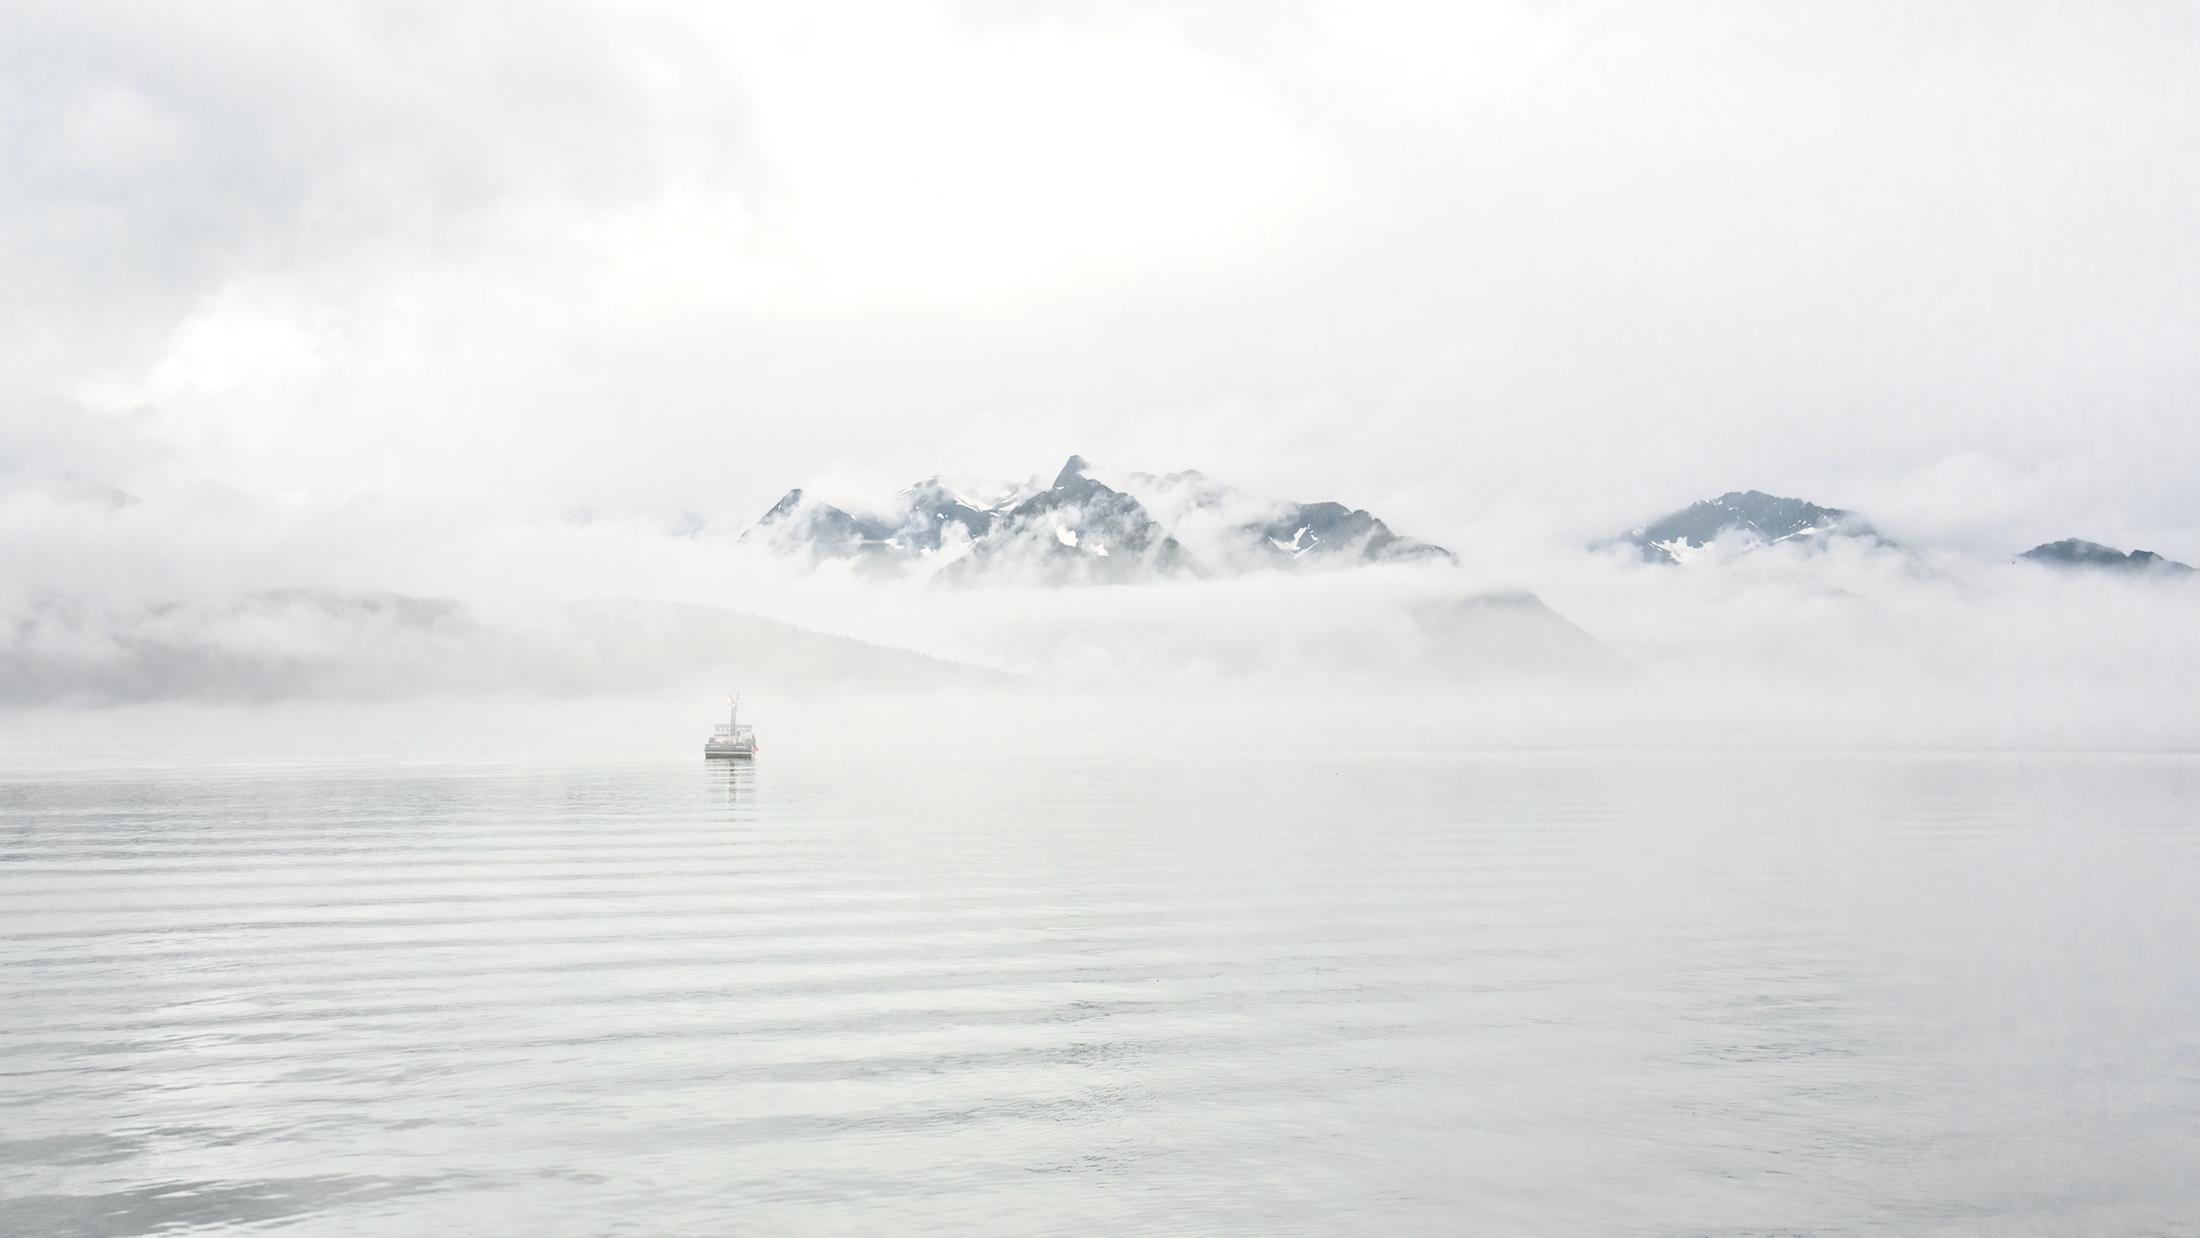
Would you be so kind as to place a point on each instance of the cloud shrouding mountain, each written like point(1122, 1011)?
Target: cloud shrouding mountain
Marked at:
point(1803, 640)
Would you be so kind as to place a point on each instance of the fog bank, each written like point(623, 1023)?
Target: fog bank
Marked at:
point(1851, 644)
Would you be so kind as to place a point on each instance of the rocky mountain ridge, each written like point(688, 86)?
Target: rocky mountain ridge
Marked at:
point(1080, 530)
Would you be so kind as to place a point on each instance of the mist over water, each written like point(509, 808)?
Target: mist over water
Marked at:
point(1301, 991)
point(1544, 646)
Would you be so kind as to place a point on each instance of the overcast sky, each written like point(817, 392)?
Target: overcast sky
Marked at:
point(1566, 265)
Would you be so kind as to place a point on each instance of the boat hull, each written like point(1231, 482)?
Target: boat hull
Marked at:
point(714, 753)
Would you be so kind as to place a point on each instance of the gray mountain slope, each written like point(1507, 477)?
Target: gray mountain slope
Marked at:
point(1240, 532)
point(1750, 515)
point(296, 644)
point(1507, 634)
point(2072, 552)
point(798, 522)
point(1314, 532)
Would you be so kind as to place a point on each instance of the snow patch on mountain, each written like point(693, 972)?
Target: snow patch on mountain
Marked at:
point(1740, 521)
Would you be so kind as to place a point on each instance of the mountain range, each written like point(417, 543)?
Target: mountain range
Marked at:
point(1077, 529)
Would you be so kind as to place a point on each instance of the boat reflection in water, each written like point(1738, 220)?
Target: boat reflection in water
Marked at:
point(732, 783)
point(729, 740)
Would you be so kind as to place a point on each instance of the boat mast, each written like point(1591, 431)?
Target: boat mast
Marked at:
point(733, 719)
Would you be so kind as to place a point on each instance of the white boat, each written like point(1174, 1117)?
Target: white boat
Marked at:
point(729, 740)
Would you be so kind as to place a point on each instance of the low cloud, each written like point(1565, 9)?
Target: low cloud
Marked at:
point(1849, 642)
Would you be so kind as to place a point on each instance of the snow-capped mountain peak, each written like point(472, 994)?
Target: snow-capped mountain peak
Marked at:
point(1745, 517)
point(1080, 528)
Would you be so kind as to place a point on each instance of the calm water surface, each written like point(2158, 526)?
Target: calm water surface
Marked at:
point(1549, 994)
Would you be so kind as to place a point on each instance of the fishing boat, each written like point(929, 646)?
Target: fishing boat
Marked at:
point(729, 740)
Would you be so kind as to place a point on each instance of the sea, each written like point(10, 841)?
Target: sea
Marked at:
point(1168, 993)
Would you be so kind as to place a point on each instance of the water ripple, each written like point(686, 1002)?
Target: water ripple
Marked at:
point(1546, 993)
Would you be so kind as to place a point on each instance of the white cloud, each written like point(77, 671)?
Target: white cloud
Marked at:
point(1497, 272)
